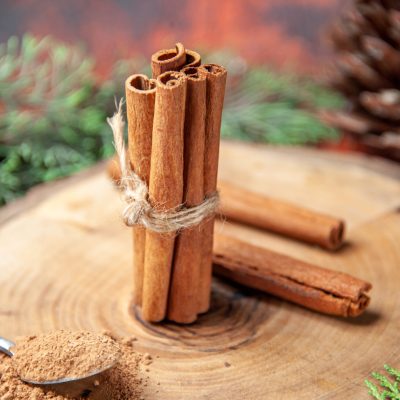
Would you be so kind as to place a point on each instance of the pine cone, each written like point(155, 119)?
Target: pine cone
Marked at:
point(366, 38)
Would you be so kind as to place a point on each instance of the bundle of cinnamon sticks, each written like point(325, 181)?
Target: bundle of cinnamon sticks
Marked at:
point(174, 123)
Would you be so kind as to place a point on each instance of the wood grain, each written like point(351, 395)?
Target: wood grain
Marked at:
point(54, 274)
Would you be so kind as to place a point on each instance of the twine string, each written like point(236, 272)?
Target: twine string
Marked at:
point(138, 210)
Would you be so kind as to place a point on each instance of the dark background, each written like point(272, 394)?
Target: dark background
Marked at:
point(282, 33)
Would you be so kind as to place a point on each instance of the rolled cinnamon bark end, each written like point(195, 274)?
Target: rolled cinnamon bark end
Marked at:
point(216, 81)
point(140, 98)
point(193, 59)
point(278, 216)
point(336, 237)
point(165, 189)
point(168, 60)
point(183, 296)
point(316, 288)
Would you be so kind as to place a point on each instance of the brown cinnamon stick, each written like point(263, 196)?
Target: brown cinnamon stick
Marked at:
point(250, 208)
point(168, 60)
point(173, 60)
point(317, 288)
point(183, 301)
point(193, 59)
point(279, 216)
point(216, 80)
point(165, 189)
point(140, 97)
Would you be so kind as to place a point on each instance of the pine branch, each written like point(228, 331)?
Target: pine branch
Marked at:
point(267, 106)
point(53, 112)
point(390, 387)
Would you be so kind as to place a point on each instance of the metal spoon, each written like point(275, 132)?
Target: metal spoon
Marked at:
point(73, 387)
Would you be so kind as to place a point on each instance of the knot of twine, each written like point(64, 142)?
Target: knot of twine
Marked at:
point(138, 210)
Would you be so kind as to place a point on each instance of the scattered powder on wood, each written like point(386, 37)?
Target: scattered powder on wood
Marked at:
point(122, 382)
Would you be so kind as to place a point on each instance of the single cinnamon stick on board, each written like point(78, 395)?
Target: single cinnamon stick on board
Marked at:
point(250, 208)
point(275, 215)
point(183, 296)
point(140, 98)
point(165, 189)
point(216, 80)
point(317, 288)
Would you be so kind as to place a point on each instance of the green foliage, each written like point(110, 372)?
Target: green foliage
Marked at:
point(53, 109)
point(263, 105)
point(52, 112)
point(390, 387)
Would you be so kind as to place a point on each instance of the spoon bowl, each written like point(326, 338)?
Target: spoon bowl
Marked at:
point(71, 386)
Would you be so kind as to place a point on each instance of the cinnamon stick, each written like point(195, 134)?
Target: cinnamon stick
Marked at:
point(279, 216)
point(173, 60)
point(216, 80)
point(165, 189)
point(140, 97)
point(316, 288)
point(183, 301)
point(250, 208)
point(193, 59)
point(168, 60)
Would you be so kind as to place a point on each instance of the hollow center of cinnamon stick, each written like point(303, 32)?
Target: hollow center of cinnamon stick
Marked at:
point(167, 55)
point(190, 58)
point(213, 69)
point(193, 72)
point(142, 83)
point(337, 234)
point(171, 78)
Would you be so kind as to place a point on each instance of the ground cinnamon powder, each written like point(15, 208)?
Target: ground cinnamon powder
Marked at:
point(63, 354)
point(122, 382)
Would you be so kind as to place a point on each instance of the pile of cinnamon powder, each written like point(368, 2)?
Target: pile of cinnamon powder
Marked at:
point(73, 354)
point(63, 354)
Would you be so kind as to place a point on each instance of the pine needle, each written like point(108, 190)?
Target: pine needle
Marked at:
point(390, 385)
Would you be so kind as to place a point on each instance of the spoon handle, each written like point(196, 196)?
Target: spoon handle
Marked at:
point(5, 346)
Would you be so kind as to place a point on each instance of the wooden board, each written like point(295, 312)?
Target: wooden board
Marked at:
point(66, 263)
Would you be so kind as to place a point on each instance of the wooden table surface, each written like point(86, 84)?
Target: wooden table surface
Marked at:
point(66, 263)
